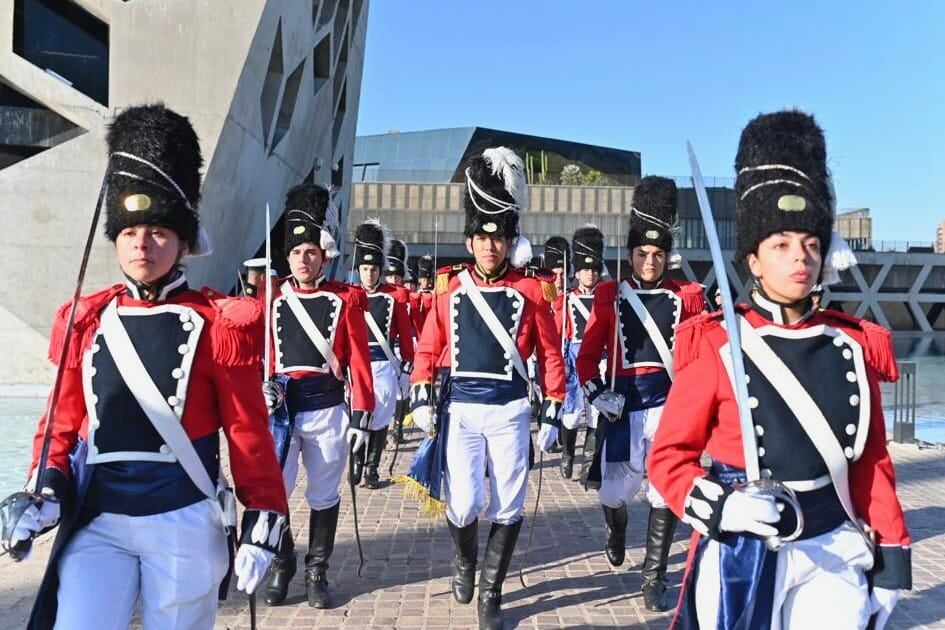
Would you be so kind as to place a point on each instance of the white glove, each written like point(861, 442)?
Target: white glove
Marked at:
point(743, 512)
point(547, 436)
point(610, 404)
point(423, 418)
point(273, 394)
point(357, 437)
point(250, 566)
point(36, 519)
point(882, 602)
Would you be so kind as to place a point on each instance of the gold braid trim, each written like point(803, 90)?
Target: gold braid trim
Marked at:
point(549, 291)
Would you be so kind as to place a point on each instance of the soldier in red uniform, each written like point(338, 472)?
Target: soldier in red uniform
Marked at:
point(813, 381)
point(390, 335)
point(319, 344)
point(256, 282)
point(424, 295)
point(555, 259)
point(154, 371)
point(650, 306)
point(488, 317)
point(587, 262)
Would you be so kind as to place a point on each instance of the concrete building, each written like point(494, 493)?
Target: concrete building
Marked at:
point(856, 227)
point(272, 87)
point(421, 201)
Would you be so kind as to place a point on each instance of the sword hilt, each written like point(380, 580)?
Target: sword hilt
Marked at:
point(781, 494)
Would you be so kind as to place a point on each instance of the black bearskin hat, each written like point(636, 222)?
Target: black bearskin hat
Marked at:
point(310, 217)
point(397, 258)
point(557, 251)
point(653, 216)
point(588, 243)
point(370, 243)
point(154, 174)
point(782, 183)
point(425, 267)
point(496, 192)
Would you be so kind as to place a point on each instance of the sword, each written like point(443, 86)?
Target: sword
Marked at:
point(531, 530)
point(541, 453)
point(12, 508)
point(352, 483)
point(755, 485)
point(240, 283)
point(268, 282)
point(616, 345)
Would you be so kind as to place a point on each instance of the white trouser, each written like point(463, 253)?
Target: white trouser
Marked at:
point(174, 561)
point(319, 436)
point(386, 386)
point(621, 489)
point(584, 415)
point(496, 436)
point(820, 583)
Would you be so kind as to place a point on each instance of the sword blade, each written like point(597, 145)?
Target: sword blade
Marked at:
point(352, 483)
point(749, 447)
point(67, 342)
point(613, 370)
point(268, 285)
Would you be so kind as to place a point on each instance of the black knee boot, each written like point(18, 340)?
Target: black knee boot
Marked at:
point(281, 570)
point(321, 542)
point(659, 538)
point(375, 448)
point(615, 549)
point(466, 548)
point(495, 565)
point(568, 442)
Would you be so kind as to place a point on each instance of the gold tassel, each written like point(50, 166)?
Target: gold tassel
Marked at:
point(549, 291)
point(408, 421)
point(414, 490)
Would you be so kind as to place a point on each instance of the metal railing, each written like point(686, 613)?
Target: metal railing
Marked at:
point(904, 403)
point(916, 247)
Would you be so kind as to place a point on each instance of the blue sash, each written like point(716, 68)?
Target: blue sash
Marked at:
point(424, 479)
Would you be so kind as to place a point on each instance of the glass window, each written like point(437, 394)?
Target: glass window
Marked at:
point(65, 41)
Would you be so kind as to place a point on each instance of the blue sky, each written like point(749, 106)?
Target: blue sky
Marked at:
point(649, 76)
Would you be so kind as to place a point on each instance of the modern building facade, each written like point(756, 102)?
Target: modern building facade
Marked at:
point(271, 86)
point(438, 155)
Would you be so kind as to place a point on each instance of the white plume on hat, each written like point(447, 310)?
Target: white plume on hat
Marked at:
point(509, 167)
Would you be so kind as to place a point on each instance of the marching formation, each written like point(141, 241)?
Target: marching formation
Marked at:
point(758, 425)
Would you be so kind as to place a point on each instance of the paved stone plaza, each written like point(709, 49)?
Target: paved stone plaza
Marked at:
point(406, 577)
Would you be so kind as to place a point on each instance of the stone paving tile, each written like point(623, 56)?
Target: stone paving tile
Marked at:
point(405, 583)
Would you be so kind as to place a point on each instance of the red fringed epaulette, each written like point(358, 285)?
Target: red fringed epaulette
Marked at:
point(877, 344)
point(356, 297)
point(238, 331)
point(689, 337)
point(606, 291)
point(84, 327)
point(402, 294)
point(693, 298)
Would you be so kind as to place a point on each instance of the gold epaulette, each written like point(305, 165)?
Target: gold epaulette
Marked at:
point(443, 277)
point(549, 291)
